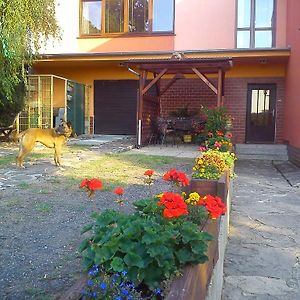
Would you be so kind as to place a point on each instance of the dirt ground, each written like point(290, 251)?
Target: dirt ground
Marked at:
point(42, 211)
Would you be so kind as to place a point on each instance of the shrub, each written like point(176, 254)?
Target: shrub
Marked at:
point(217, 119)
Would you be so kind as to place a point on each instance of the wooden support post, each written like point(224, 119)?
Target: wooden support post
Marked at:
point(140, 107)
point(220, 88)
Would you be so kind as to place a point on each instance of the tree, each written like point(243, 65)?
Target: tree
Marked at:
point(24, 26)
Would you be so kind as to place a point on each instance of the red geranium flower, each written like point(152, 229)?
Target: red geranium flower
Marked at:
point(84, 183)
point(229, 135)
point(210, 134)
point(119, 191)
point(95, 184)
point(179, 178)
point(149, 173)
point(174, 204)
point(91, 185)
point(219, 133)
point(214, 206)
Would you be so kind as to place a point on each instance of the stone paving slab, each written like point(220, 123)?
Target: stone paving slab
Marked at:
point(262, 259)
point(289, 171)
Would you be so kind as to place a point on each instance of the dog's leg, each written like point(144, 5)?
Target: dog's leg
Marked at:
point(57, 155)
point(26, 145)
point(22, 153)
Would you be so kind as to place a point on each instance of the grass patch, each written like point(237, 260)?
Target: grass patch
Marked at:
point(7, 160)
point(13, 202)
point(42, 207)
point(118, 169)
point(37, 294)
point(24, 185)
point(77, 147)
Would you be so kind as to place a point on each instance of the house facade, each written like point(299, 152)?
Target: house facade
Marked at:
point(109, 45)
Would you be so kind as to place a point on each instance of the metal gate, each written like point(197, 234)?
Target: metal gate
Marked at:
point(51, 98)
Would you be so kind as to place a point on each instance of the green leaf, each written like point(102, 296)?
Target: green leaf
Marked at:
point(184, 256)
point(105, 253)
point(149, 237)
point(86, 228)
point(117, 264)
point(83, 245)
point(157, 250)
point(199, 247)
point(154, 276)
point(205, 236)
point(133, 260)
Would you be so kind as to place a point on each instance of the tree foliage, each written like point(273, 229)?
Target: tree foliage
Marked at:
point(24, 26)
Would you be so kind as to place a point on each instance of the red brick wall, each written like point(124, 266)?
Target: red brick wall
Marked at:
point(195, 93)
point(294, 155)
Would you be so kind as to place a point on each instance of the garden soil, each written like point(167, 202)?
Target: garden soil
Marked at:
point(42, 213)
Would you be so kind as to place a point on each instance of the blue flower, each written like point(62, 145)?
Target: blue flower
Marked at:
point(114, 280)
point(130, 285)
point(122, 284)
point(125, 292)
point(102, 285)
point(83, 292)
point(117, 275)
point(90, 282)
point(157, 291)
point(94, 294)
point(118, 298)
point(124, 273)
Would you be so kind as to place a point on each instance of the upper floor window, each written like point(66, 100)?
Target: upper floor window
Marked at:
point(126, 16)
point(255, 23)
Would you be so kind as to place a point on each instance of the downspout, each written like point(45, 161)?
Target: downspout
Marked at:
point(139, 121)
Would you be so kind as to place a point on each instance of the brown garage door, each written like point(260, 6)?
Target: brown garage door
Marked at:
point(115, 106)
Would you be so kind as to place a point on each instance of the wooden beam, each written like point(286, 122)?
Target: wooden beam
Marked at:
point(171, 82)
point(154, 81)
point(205, 80)
point(220, 87)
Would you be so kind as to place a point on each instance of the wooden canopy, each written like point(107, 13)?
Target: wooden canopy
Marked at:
point(176, 67)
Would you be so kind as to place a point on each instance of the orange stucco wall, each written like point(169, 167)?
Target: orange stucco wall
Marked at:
point(59, 92)
point(292, 108)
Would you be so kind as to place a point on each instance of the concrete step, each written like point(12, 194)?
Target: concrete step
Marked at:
point(261, 151)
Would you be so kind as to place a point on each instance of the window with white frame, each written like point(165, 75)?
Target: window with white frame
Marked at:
point(255, 23)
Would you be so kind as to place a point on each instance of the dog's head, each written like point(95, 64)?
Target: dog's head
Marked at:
point(65, 128)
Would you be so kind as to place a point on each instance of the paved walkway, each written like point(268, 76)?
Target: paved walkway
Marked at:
point(183, 150)
point(262, 260)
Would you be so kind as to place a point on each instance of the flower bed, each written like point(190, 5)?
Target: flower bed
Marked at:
point(168, 248)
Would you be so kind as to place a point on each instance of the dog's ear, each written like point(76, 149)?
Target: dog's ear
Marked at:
point(69, 124)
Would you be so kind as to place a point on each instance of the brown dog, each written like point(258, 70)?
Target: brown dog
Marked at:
point(51, 138)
